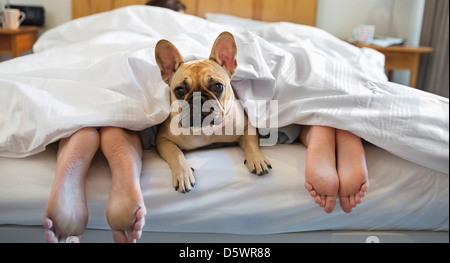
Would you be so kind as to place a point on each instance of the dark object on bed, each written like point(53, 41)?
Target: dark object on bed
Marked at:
point(171, 4)
point(35, 15)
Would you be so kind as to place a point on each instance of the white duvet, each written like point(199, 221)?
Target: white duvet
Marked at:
point(100, 71)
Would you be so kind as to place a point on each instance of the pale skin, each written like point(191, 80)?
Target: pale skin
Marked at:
point(66, 212)
point(335, 167)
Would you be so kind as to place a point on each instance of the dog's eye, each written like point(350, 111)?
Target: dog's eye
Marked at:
point(218, 88)
point(179, 92)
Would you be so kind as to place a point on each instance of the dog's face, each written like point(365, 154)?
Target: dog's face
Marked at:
point(203, 84)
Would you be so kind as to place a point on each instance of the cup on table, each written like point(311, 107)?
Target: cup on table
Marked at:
point(12, 18)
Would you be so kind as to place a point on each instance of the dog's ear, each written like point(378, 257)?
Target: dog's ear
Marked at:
point(224, 52)
point(168, 58)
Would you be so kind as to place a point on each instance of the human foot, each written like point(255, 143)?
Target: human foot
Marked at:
point(321, 179)
point(126, 213)
point(126, 209)
point(66, 213)
point(352, 170)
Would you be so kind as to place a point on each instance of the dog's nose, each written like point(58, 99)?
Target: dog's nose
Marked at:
point(197, 101)
point(206, 113)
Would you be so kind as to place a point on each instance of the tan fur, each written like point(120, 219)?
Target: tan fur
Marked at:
point(198, 76)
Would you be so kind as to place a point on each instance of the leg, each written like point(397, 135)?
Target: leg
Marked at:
point(257, 163)
point(182, 174)
point(321, 179)
point(183, 179)
point(352, 170)
point(126, 209)
point(66, 213)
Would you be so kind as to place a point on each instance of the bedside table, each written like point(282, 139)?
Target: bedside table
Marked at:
point(17, 41)
point(401, 57)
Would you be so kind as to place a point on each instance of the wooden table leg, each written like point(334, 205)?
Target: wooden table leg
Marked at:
point(414, 69)
point(15, 51)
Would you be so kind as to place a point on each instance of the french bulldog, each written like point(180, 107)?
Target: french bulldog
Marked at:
point(206, 108)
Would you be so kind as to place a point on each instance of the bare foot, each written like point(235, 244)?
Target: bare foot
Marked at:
point(126, 209)
point(321, 179)
point(66, 212)
point(126, 214)
point(352, 170)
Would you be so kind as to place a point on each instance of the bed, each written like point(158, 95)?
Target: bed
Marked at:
point(109, 56)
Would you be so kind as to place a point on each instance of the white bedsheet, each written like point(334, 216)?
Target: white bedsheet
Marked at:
point(100, 71)
point(229, 199)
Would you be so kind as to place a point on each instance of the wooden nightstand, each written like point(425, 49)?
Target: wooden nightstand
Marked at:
point(17, 41)
point(401, 57)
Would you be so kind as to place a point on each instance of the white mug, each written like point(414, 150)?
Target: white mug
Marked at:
point(12, 18)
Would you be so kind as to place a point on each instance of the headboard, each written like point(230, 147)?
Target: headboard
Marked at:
point(296, 11)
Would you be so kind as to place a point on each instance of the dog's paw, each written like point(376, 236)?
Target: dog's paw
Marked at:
point(257, 163)
point(183, 180)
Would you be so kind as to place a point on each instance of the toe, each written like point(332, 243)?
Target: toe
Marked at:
point(345, 204)
point(352, 200)
point(318, 199)
point(363, 190)
point(119, 236)
point(50, 236)
point(140, 223)
point(131, 238)
point(309, 186)
point(48, 223)
point(330, 203)
point(136, 234)
point(251, 166)
point(358, 199)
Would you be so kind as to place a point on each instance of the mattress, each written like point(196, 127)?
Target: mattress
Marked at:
point(228, 199)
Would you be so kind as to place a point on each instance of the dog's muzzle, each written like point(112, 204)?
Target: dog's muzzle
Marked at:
point(204, 110)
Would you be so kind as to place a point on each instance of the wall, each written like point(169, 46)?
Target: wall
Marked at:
point(56, 13)
point(396, 18)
